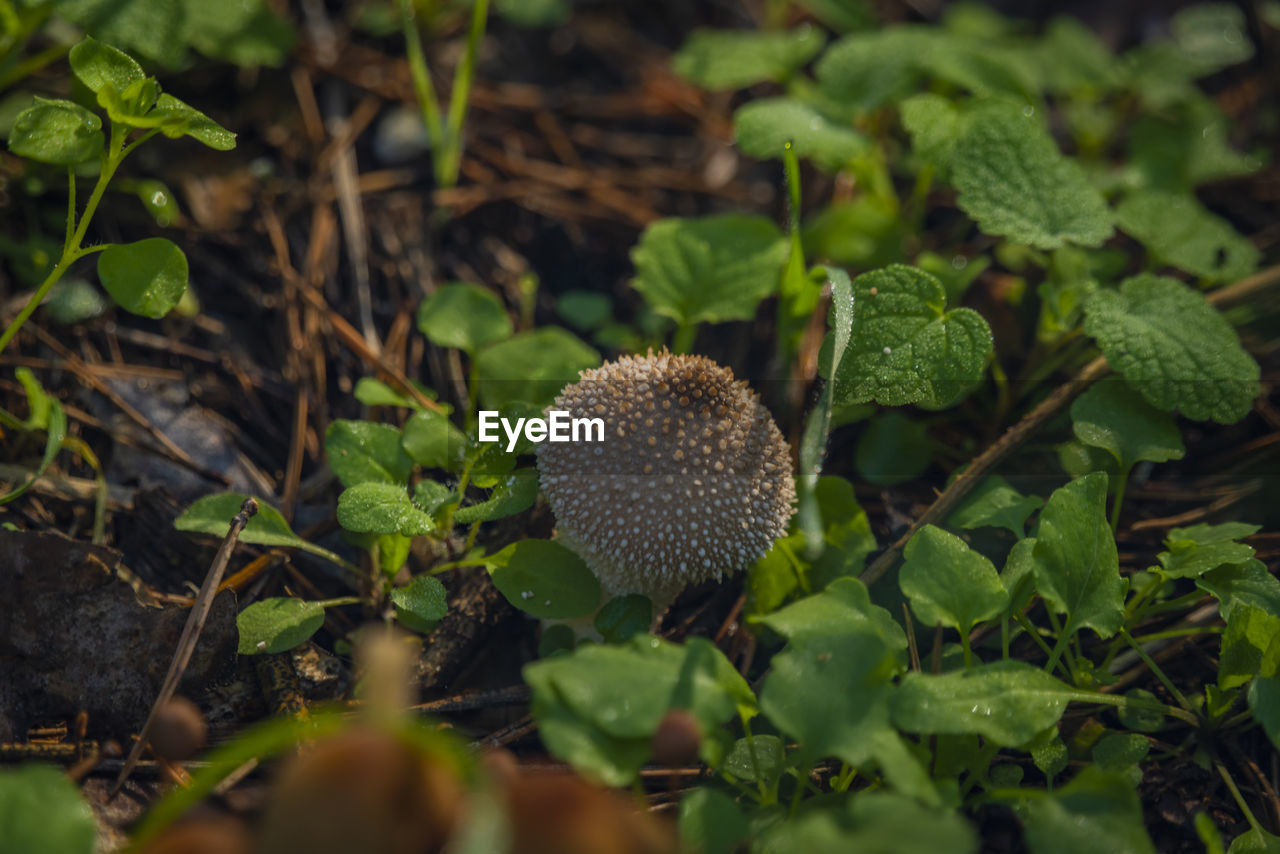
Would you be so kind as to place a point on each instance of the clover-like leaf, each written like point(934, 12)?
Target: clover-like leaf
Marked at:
point(905, 347)
point(41, 809)
point(763, 127)
point(382, 508)
point(1174, 348)
point(277, 624)
point(56, 131)
point(1112, 416)
point(995, 503)
point(1177, 230)
point(709, 269)
point(545, 579)
point(1076, 566)
point(734, 59)
point(949, 583)
point(362, 452)
point(420, 604)
point(98, 64)
point(1200, 548)
point(147, 277)
point(464, 315)
point(513, 495)
point(531, 367)
point(1015, 183)
point(1009, 702)
point(1095, 805)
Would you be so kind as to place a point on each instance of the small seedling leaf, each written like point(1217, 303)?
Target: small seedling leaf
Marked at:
point(364, 452)
point(531, 367)
point(759, 757)
point(463, 315)
point(709, 269)
point(278, 624)
point(56, 131)
point(1015, 183)
point(905, 347)
point(42, 810)
point(431, 441)
point(180, 119)
point(711, 822)
point(373, 392)
point(1177, 230)
point(382, 508)
point(1200, 548)
point(545, 579)
point(866, 70)
point(1095, 805)
point(98, 65)
point(1112, 416)
point(213, 514)
point(46, 413)
point(995, 503)
point(420, 604)
point(733, 59)
point(845, 606)
point(1077, 568)
point(148, 277)
point(935, 125)
point(1008, 702)
point(514, 494)
point(764, 126)
point(1174, 348)
point(949, 583)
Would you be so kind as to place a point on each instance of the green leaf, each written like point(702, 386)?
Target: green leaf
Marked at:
point(843, 608)
point(72, 301)
point(148, 277)
point(1077, 568)
point(99, 65)
point(179, 119)
point(851, 672)
point(373, 392)
point(584, 310)
point(393, 552)
point(1244, 585)
point(155, 29)
point(1112, 416)
point(1250, 647)
point(46, 413)
point(382, 508)
point(213, 514)
point(56, 131)
point(277, 625)
point(513, 495)
point(1264, 705)
point(994, 503)
point(711, 822)
point(624, 617)
point(431, 441)
point(709, 269)
point(42, 810)
point(935, 126)
point(598, 707)
point(1181, 148)
point(735, 59)
point(1008, 702)
point(762, 128)
point(1018, 574)
point(1140, 717)
point(1070, 59)
point(1177, 230)
point(1211, 36)
point(1200, 548)
point(1174, 348)
point(1049, 753)
point(869, 69)
point(420, 604)
point(759, 757)
point(949, 583)
point(1121, 753)
point(247, 34)
point(465, 316)
point(1015, 183)
point(893, 449)
point(364, 452)
point(1255, 841)
point(532, 367)
point(905, 347)
point(545, 579)
point(430, 496)
point(1096, 805)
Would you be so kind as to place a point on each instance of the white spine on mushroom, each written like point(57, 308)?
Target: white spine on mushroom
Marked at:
point(692, 481)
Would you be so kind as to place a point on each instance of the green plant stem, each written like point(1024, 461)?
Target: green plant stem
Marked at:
point(32, 64)
point(421, 77)
point(1031, 630)
point(1179, 633)
point(1136, 703)
point(341, 600)
point(968, 650)
point(682, 341)
point(1122, 480)
point(1239, 798)
point(1155, 668)
point(462, 78)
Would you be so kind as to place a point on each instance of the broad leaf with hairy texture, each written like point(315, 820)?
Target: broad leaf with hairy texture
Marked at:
point(1177, 230)
point(762, 128)
point(382, 508)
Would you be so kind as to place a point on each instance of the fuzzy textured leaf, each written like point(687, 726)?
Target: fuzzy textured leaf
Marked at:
point(514, 494)
point(762, 127)
point(1174, 348)
point(277, 625)
point(1177, 230)
point(98, 64)
point(733, 59)
point(382, 508)
point(1112, 416)
point(421, 603)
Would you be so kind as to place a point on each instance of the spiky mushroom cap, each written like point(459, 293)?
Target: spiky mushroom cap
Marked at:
point(692, 481)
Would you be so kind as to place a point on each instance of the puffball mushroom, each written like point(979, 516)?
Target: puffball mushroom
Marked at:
point(692, 480)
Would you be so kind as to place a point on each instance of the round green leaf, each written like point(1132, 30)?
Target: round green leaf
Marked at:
point(757, 758)
point(382, 508)
point(948, 582)
point(465, 316)
point(545, 579)
point(893, 449)
point(364, 452)
point(709, 269)
point(1113, 416)
point(1009, 702)
point(421, 604)
point(843, 607)
point(98, 65)
point(762, 128)
point(532, 367)
point(148, 277)
point(41, 810)
point(1174, 348)
point(277, 625)
point(733, 59)
point(55, 131)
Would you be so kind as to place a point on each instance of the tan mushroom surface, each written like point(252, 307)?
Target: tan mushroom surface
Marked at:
point(693, 480)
